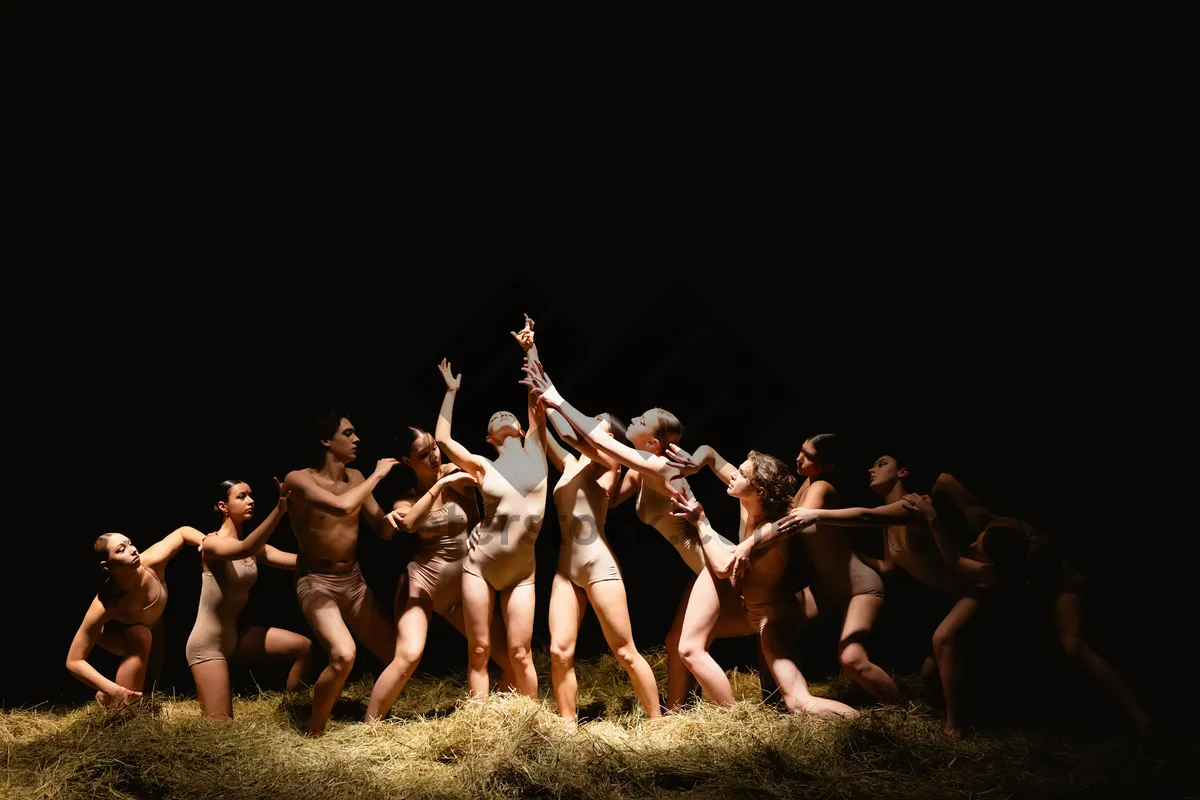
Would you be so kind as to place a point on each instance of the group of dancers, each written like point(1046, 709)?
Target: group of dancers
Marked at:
point(464, 560)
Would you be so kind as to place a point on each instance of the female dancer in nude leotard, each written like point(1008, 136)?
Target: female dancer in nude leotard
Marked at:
point(125, 618)
point(230, 570)
point(587, 569)
point(843, 581)
point(710, 608)
point(440, 510)
point(764, 489)
point(514, 503)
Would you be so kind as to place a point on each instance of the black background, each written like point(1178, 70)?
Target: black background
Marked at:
point(771, 228)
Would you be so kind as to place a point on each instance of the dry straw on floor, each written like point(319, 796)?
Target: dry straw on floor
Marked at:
point(437, 745)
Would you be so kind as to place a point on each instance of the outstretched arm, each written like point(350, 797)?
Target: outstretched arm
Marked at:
point(407, 513)
point(536, 435)
point(228, 548)
point(949, 487)
point(305, 486)
point(274, 557)
point(374, 514)
point(705, 456)
point(717, 555)
point(540, 385)
point(892, 514)
point(163, 551)
point(974, 571)
point(81, 646)
point(580, 443)
point(463, 458)
point(558, 454)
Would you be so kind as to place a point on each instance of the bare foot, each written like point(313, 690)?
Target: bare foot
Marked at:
point(822, 707)
point(953, 732)
point(928, 668)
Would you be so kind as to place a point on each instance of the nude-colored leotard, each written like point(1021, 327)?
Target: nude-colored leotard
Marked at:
point(655, 510)
point(512, 516)
point(438, 563)
point(582, 504)
point(224, 590)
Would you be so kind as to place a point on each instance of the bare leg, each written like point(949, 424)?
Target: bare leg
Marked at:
point(945, 650)
point(808, 602)
point(699, 622)
point(325, 618)
point(567, 606)
point(158, 650)
point(372, 628)
point(779, 650)
point(412, 628)
point(258, 644)
point(212, 688)
point(517, 605)
point(860, 618)
point(478, 599)
point(679, 680)
point(612, 609)
point(133, 644)
point(1068, 614)
point(506, 683)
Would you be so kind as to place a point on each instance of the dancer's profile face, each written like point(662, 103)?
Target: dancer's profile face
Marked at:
point(239, 503)
point(121, 553)
point(739, 482)
point(640, 432)
point(884, 474)
point(806, 462)
point(344, 444)
point(424, 456)
point(502, 425)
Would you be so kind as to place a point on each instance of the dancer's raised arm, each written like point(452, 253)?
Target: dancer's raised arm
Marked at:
point(541, 386)
point(558, 454)
point(705, 456)
point(306, 487)
point(463, 458)
point(535, 426)
point(163, 551)
point(230, 548)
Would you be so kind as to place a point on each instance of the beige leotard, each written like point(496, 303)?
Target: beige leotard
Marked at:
point(224, 590)
point(582, 504)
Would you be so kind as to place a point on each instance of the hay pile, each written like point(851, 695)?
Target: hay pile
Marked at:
point(438, 745)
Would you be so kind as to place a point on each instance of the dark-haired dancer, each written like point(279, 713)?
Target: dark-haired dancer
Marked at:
point(710, 607)
point(1021, 559)
point(587, 569)
point(230, 566)
point(440, 509)
point(843, 582)
point(325, 503)
point(763, 488)
point(125, 618)
point(1018, 559)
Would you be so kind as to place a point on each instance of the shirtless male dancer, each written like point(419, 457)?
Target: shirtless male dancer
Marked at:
point(325, 503)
